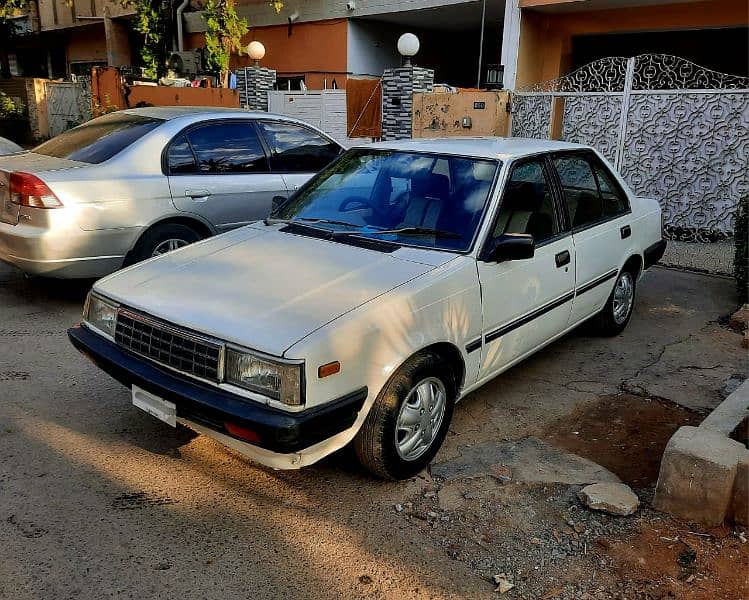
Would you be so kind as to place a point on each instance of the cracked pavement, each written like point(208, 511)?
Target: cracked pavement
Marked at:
point(98, 500)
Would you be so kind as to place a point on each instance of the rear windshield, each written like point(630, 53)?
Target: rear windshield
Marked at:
point(100, 139)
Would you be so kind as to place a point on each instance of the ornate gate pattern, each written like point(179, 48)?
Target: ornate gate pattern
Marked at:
point(676, 131)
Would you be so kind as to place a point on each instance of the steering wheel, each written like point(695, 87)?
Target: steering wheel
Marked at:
point(361, 200)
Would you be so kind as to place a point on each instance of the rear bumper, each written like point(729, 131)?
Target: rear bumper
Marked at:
point(67, 252)
point(209, 408)
point(654, 253)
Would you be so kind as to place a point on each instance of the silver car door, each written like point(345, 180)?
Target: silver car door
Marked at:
point(297, 152)
point(220, 171)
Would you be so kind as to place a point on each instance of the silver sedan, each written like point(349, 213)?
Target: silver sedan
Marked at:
point(137, 183)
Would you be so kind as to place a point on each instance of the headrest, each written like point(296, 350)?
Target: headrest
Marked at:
point(430, 185)
point(522, 195)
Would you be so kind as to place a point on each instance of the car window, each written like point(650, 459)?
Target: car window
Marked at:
point(99, 139)
point(527, 204)
point(580, 189)
point(296, 149)
point(401, 197)
point(180, 157)
point(614, 199)
point(228, 148)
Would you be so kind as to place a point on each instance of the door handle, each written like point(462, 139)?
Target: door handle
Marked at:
point(197, 193)
point(626, 231)
point(563, 258)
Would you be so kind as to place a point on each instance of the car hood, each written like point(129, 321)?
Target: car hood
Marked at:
point(260, 287)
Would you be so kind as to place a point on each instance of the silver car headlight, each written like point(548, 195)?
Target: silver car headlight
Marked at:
point(277, 380)
point(100, 314)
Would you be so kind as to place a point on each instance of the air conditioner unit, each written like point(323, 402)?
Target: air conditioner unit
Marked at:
point(186, 63)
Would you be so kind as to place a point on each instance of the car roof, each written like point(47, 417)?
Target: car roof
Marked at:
point(168, 113)
point(503, 148)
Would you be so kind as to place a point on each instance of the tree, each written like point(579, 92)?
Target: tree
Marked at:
point(224, 32)
point(153, 19)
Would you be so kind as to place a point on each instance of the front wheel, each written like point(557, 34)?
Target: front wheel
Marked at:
point(618, 309)
point(409, 419)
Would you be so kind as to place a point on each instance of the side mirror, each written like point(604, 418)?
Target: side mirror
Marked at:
point(276, 203)
point(510, 246)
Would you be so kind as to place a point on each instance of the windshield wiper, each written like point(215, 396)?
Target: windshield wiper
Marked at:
point(303, 221)
point(402, 230)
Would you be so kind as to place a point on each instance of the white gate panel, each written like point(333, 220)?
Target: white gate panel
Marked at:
point(325, 109)
point(68, 104)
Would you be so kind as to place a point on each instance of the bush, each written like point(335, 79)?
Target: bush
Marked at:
point(8, 108)
point(741, 257)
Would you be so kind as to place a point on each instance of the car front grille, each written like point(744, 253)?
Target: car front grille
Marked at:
point(168, 345)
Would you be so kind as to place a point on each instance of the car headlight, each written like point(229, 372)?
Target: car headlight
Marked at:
point(100, 314)
point(280, 381)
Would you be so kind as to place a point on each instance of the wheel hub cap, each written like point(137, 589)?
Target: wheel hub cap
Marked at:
point(624, 293)
point(419, 418)
point(168, 246)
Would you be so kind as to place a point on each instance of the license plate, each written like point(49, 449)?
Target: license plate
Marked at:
point(155, 406)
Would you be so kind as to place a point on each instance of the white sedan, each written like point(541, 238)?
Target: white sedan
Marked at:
point(399, 279)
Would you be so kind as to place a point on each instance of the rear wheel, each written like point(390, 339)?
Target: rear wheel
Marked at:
point(409, 419)
point(618, 309)
point(162, 239)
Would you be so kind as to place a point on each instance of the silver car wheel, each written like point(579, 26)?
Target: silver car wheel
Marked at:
point(168, 246)
point(624, 296)
point(420, 418)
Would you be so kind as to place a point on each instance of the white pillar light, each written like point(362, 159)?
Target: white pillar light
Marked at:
point(256, 51)
point(408, 46)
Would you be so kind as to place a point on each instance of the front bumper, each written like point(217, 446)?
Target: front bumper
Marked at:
point(210, 407)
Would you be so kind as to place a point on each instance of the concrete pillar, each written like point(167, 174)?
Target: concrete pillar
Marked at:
point(253, 84)
point(398, 88)
point(118, 41)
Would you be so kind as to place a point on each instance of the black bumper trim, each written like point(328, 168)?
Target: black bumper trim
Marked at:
point(653, 254)
point(278, 430)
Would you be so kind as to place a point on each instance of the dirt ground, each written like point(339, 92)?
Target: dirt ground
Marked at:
point(98, 500)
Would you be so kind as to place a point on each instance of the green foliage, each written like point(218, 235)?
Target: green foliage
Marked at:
point(224, 32)
point(8, 108)
point(741, 256)
point(9, 8)
point(153, 20)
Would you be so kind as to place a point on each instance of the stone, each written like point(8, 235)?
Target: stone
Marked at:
point(745, 340)
point(613, 498)
point(740, 319)
point(528, 460)
point(740, 499)
point(697, 475)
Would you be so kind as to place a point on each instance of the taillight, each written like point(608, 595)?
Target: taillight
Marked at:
point(28, 190)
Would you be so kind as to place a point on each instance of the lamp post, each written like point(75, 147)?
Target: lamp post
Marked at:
point(408, 46)
point(256, 51)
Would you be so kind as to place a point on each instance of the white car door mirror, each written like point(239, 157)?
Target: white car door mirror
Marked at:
point(510, 246)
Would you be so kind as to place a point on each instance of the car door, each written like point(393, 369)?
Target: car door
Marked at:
point(297, 152)
point(220, 171)
point(599, 214)
point(527, 302)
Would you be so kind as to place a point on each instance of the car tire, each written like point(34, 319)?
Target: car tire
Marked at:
point(161, 239)
point(400, 412)
point(618, 310)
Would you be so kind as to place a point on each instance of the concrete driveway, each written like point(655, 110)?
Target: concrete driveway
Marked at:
point(98, 500)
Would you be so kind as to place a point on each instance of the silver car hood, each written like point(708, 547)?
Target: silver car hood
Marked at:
point(260, 287)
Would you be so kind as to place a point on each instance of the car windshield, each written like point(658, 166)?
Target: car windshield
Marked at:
point(416, 199)
point(99, 139)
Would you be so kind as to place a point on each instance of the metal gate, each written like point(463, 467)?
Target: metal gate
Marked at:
point(68, 104)
point(676, 131)
point(325, 109)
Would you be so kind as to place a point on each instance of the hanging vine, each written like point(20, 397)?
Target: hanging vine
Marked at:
point(224, 32)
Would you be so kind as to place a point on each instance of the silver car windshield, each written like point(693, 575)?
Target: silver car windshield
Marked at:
point(428, 200)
